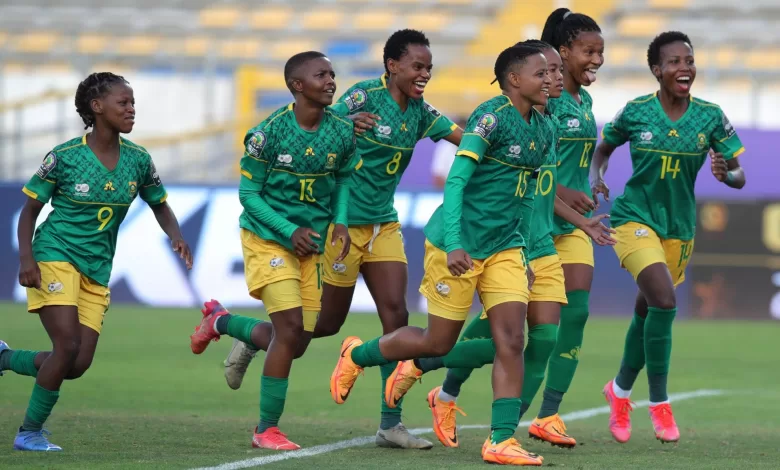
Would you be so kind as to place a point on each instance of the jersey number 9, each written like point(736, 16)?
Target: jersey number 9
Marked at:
point(104, 215)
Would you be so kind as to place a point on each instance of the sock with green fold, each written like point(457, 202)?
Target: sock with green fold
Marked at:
point(658, 350)
point(20, 361)
point(368, 354)
point(633, 354)
point(273, 393)
point(478, 328)
point(471, 354)
point(237, 326)
point(504, 419)
point(541, 341)
point(41, 403)
point(390, 416)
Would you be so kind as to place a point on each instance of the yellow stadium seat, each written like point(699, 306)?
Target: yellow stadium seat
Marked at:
point(640, 26)
point(670, 4)
point(239, 49)
point(763, 59)
point(196, 46)
point(3, 38)
point(138, 45)
point(91, 43)
point(373, 20)
point(36, 42)
point(620, 54)
point(220, 17)
point(725, 58)
point(593, 8)
point(429, 21)
point(377, 51)
point(271, 18)
point(323, 19)
point(285, 50)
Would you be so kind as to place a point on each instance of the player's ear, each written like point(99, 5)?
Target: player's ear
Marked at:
point(97, 106)
point(656, 69)
point(514, 79)
point(296, 85)
point(565, 53)
point(392, 66)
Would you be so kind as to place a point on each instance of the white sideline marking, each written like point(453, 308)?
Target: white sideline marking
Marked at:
point(361, 441)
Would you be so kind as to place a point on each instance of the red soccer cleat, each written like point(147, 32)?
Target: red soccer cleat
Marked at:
point(274, 439)
point(206, 331)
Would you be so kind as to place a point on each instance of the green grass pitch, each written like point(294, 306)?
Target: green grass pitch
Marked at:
point(149, 402)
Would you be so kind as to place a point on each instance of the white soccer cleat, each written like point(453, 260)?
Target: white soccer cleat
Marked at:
point(238, 360)
point(398, 437)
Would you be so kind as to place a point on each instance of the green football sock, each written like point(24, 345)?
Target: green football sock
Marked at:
point(20, 361)
point(551, 401)
point(273, 392)
point(541, 341)
point(238, 327)
point(633, 354)
point(658, 350)
point(565, 355)
point(41, 403)
point(471, 354)
point(476, 329)
point(504, 419)
point(368, 354)
point(390, 416)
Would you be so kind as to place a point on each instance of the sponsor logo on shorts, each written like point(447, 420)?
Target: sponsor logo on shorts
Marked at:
point(339, 268)
point(443, 289)
point(276, 262)
point(55, 287)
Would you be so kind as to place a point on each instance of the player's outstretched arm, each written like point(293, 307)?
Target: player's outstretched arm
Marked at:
point(29, 273)
point(170, 225)
point(598, 168)
point(458, 261)
point(593, 227)
point(455, 137)
point(728, 172)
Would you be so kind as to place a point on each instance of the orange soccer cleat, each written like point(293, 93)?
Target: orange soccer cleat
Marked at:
point(400, 381)
point(346, 372)
point(551, 429)
point(509, 452)
point(444, 418)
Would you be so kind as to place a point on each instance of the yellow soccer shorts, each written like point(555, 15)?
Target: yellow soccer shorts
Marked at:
point(498, 279)
point(549, 284)
point(280, 279)
point(63, 284)
point(574, 248)
point(638, 246)
point(370, 244)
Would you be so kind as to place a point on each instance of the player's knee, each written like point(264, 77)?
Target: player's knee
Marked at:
point(510, 341)
point(323, 330)
point(303, 344)
point(394, 315)
point(80, 367)
point(67, 349)
point(290, 332)
point(438, 346)
point(665, 299)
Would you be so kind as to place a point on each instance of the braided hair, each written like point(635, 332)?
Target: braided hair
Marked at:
point(517, 54)
point(563, 27)
point(97, 85)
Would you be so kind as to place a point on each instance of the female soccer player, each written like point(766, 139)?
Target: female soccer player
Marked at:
point(294, 175)
point(91, 182)
point(394, 117)
point(547, 294)
point(578, 40)
point(474, 243)
point(670, 133)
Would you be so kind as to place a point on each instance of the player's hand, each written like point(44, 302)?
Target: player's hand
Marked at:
point(531, 276)
point(577, 200)
point(459, 262)
point(363, 121)
point(183, 249)
point(720, 168)
point(302, 241)
point(340, 232)
point(599, 186)
point(29, 273)
point(599, 232)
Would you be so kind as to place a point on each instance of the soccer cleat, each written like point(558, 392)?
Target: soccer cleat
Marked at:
point(274, 439)
point(444, 418)
point(237, 361)
point(346, 372)
point(34, 441)
point(398, 437)
point(400, 381)
point(3, 347)
point(663, 423)
point(619, 414)
point(509, 452)
point(206, 331)
point(551, 429)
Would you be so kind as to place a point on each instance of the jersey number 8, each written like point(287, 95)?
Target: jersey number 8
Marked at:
point(394, 164)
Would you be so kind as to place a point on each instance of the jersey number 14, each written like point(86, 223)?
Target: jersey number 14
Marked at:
point(669, 165)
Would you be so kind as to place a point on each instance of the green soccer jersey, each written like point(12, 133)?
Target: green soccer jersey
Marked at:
point(296, 171)
point(89, 202)
point(666, 157)
point(507, 150)
point(386, 150)
point(541, 223)
point(577, 134)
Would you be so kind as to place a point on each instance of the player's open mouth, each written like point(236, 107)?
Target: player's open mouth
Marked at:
point(591, 74)
point(330, 91)
point(419, 86)
point(546, 91)
point(684, 82)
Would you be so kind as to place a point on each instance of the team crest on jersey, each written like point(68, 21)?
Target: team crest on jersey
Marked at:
point(155, 175)
point(49, 162)
point(573, 124)
point(486, 124)
point(256, 143)
point(356, 99)
point(727, 127)
point(132, 187)
point(701, 141)
point(330, 163)
point(383, 131)
point(82, 189)
point(431, 109)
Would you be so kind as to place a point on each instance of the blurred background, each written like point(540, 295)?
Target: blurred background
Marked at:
point(204, 71)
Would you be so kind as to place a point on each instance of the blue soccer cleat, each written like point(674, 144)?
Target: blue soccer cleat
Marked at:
point(34, 441)
point(3, 347)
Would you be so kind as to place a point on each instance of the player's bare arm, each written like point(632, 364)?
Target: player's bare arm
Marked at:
point(728, 172)
point(577, 200)
point(593, 227)
point(170, 225)
point(29, 273)
point(363, 121)
point(598, 168)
